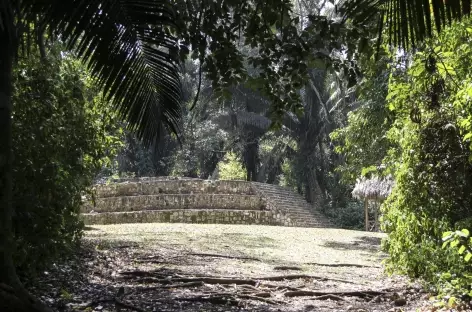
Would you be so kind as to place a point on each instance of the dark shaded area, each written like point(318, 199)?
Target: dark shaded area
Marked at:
point(246, 240)
point(369, 240)
point(94, 277)
point(159, 277)
point(112, 244)
point(366, 243)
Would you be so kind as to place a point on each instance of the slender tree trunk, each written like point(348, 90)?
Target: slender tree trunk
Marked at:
point(7, 269)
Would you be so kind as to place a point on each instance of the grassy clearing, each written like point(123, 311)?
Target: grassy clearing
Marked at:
point(270, 243)
point(274, 246)
point(330, 261)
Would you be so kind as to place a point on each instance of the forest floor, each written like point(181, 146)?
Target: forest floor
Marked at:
point(206, 267)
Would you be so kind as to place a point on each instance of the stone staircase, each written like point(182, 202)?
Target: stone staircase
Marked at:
point(186, 200)
point(292, 204)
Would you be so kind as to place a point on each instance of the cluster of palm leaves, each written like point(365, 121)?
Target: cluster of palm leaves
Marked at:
point(133, 52)
point(408, 22)
point(126, 45)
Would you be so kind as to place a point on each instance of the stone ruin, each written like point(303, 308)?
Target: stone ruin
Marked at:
point(187, 200)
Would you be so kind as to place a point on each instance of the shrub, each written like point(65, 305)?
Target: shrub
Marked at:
point(431, 165)
point(61, 138)
point(231, 168)
point(350, 216)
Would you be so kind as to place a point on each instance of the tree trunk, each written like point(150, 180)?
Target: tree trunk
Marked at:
point(13, 296)
point(376, 216)
point(250, 158)
point(7, 269)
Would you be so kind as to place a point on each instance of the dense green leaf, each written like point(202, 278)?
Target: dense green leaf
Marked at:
point(407, 21)
point(127, 47)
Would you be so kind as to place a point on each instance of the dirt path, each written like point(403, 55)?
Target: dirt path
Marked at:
point(190, 267)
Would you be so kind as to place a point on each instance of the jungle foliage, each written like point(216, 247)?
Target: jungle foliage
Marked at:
point(419, 131)
point(432, 166)
point(64, 133)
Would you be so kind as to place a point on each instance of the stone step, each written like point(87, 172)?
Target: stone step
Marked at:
point(308, 211)
point(187, 216)
point(310, 225)
point(152, 179)
point(155, 187)
point(175, 201)
point(200, 201)
point(302, 219)
point(307, 218)
point(293, 204)
point(303, 214)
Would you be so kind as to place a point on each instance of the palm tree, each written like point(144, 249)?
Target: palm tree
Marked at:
point(408, 21)
point(323, 99)
point(126, 46)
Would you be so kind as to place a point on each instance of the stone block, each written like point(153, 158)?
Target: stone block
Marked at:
point(168, 199)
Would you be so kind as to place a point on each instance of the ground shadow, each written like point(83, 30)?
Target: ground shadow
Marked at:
point(369, 240)
point(87, 283)
point(90, 228)
point(244, 241)
point(149, 276)
point(365, 243)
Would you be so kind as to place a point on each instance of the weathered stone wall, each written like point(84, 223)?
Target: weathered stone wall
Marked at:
point(188, 186)
point(148, 179)
point(190, 216)
point(175, 201)
point(181, 200)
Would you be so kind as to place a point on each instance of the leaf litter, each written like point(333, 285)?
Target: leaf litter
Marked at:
point(216, 267)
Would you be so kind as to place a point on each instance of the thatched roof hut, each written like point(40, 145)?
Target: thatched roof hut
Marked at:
point(374, 188)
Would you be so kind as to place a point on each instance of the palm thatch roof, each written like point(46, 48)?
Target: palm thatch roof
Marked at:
point(373, 188)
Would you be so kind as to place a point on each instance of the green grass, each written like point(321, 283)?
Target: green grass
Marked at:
point(269, 243)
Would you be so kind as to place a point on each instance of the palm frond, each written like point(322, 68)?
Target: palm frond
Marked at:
point(408, 21)
point(128, 47)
